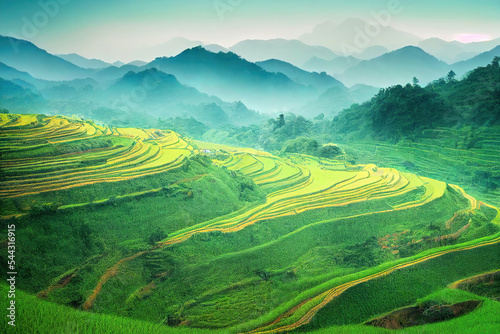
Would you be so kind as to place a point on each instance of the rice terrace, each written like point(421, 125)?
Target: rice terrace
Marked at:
point(315, 225)
point(249, 167)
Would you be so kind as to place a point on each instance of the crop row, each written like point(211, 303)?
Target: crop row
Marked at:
point(127, 153)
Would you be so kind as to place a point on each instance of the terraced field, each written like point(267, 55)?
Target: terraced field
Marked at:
point(46, 154)
point(236, 240)
point(457, 156)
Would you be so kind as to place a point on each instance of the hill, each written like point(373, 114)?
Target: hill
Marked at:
point(146, 224)
point(334, 67)
point(26, 57)
point(18, 96)
point(10, 73)
point(84, 62)
point(166, 97)
point(397, 67)
point(450, 123)
point(291, 51)
point(336, 99)
point(232, 78)
point(320, 81)
point(454, 51)
point(350, 37)
point(482, 59)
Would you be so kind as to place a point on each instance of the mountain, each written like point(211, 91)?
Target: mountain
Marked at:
point(333, 67)
point(320, 81)
point(25, 56)
point(454, 51)
point(372, 52)
point(114, 72)
point(232, 78)
point(164, 96)
point(118, 63)
point(16, 98)
point(215, 48)
point(397, 67)
point(137, 63)
point(10, 73)
point(336, 99)
point(170, 48)
point(482, 59)
point(84, 62)
point(353, 36)
point(291, 51)
point(361, 93)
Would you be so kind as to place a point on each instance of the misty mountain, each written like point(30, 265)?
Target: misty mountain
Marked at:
point(482, 59)
point(11, 74)
point(114, 72)
point(397, 67)
point(163, 95)
point(138, 63)
point(16, 98)
point(336, 99)
point(215, 48)
point(320, 81)
point(25, 56)
point(291, 51)
point(170, 48)
point(454, 51)
point(158, 87)
point(353, 36)
point(361, 93)
point(333, 67)
point(70, 90)
point(372, 52)
point(118, 63)
point(232, 78)
point(84, 62)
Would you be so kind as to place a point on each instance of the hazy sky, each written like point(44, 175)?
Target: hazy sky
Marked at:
point(106, 29)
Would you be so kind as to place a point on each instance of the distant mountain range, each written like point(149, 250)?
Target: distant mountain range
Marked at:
point(482, 59)
point(197, 79)
point(84, 62)
point(353, 36)
point(165, 96)
point(454, 51)
point(336, 99)
point(397, 67)
point(291, 51)
point(334, 67)
point(16, 97)
point(233, 78)
point(25, 56)
point(319, 81)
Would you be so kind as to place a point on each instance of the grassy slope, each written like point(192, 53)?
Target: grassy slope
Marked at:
point(37, 316)
point(316, 225)
point(466, 157)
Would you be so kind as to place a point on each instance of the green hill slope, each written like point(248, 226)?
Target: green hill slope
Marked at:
point(147, 225)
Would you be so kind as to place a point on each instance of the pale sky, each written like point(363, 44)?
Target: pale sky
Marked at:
point(106, 29)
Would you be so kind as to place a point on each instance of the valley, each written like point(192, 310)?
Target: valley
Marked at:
point(231, 167)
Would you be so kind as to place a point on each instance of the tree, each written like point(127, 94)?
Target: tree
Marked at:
point(281, 122)
point(157, 235)
point(415, 81)
point(329, 151)
point(496, 61)
point(451, 76)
